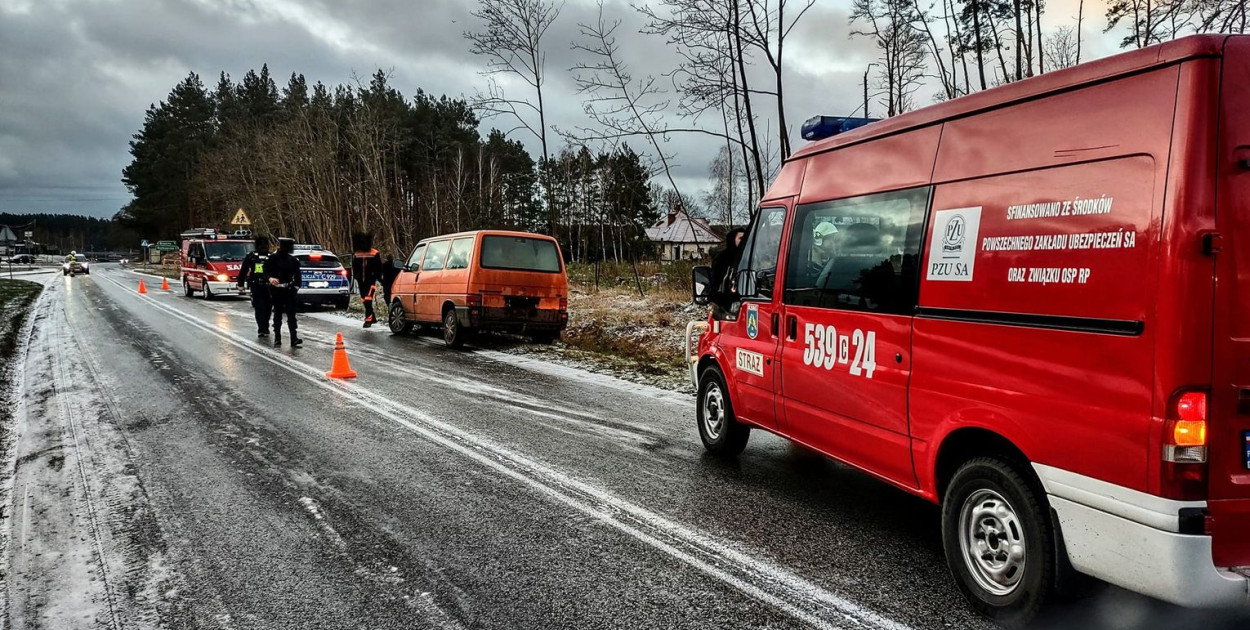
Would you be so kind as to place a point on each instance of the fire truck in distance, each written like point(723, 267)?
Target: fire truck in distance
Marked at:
point(211, 261)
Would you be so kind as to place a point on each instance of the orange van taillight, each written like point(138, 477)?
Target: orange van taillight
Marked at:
point(564, 309)
point(474, 302)
point(1185, 446)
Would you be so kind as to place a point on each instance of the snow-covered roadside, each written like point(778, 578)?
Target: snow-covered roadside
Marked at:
point(559, 358)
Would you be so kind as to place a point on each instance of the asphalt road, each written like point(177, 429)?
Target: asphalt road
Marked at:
point(173, 472)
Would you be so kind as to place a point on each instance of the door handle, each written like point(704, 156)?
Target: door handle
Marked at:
point(773, 321)
point(792, 328)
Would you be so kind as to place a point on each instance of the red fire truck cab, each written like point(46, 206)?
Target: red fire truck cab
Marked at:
point(1026, 305)
point(210, 263)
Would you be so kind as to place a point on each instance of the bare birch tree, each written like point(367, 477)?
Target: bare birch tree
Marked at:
point(511, 41)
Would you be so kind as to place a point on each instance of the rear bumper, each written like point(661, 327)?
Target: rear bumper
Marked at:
point(513, 320)
point(323, 296)
point(1131, 539)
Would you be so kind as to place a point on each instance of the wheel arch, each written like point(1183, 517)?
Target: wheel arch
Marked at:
point(967, 443)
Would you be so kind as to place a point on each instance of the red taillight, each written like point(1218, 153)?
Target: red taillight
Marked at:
point(474, 300)
point(564, 304)
point(342, 272)
point(1185, 446)
point(1192, 407)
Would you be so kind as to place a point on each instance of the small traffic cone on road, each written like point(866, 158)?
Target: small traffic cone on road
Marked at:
point(164, 284)
point(341, 368)
point(143, 289)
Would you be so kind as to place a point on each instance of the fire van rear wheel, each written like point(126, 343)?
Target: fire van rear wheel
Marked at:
point(719, 429)
point(998, 539)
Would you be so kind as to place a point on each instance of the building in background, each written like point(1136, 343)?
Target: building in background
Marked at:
point(679, 236)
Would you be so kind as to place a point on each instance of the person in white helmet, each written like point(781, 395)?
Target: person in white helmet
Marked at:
point(824, 250)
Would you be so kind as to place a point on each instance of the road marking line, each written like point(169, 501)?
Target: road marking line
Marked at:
point(757, 578)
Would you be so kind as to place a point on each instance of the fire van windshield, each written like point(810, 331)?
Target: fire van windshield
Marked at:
point(218, 252)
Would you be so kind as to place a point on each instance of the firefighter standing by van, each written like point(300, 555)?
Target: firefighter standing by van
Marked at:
point(367, 271)
point(283, 273)
point(252, 274)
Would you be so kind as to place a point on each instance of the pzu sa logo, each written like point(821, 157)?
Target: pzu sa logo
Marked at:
point(953, 239)
point(753, 320)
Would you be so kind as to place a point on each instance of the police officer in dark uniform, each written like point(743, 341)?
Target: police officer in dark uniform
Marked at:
point(252, 273)
point(283, 273)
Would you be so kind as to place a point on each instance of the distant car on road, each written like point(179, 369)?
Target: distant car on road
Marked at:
point(486, 280)
point(324, 278)
point(22, 259)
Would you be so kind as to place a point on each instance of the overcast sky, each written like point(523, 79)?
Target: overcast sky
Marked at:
point(77, 75)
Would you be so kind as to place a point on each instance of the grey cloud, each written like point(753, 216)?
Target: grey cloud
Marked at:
point(77, 75)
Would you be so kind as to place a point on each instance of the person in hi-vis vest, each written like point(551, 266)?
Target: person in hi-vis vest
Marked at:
point(252, 274)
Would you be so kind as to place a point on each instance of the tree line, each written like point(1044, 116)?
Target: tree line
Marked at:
point(318, 163)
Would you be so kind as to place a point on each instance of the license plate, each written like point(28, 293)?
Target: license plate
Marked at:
point(318, 285)
point(1245, 447)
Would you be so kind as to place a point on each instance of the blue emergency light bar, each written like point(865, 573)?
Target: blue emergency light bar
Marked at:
point(821, 127)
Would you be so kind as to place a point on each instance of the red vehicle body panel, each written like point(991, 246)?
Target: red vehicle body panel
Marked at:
point(1110, 271)
point(197, 274)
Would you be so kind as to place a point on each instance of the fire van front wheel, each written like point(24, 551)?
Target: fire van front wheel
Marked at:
point(719, 429)
point(998, 540)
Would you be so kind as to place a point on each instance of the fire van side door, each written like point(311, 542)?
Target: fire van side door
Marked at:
point(852, 277)
point(748, 342)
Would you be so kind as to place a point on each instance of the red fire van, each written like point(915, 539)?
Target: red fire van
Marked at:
point(210, 262)
point(1026, 305)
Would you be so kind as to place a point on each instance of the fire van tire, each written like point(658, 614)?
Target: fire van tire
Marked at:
point(186, 288)
point(208, 292)
point(719, 428)
point(992, 519)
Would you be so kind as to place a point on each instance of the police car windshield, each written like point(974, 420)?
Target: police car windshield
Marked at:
point(321, 261)
point(217, 252)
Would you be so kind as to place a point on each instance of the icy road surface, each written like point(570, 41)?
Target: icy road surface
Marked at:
point(173, 472)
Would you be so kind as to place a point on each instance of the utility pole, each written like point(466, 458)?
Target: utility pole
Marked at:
point(866, 71)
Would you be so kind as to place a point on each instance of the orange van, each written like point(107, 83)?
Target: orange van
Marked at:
point(484, 280)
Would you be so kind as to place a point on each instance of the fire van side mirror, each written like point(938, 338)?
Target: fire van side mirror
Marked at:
point(701, 285)
point(746, 283)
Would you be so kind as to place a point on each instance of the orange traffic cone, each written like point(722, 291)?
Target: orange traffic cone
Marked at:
point(143, 289)
point(341, 368)
point(164, 284)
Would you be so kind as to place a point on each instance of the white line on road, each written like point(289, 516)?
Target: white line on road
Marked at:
point(753, 576)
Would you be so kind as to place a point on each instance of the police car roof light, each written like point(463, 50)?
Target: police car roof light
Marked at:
point(821, 127)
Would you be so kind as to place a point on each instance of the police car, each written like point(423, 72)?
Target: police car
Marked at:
point(325, 280)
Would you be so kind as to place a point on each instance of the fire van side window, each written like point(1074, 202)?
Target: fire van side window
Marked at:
point(859, 254)
point(760, 252)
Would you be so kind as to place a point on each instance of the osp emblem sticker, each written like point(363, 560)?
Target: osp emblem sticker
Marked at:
point(753, 320)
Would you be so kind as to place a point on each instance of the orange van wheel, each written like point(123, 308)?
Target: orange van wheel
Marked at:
point(719, 429)
point(398, 323)
point(999, 541)
point(454, 335)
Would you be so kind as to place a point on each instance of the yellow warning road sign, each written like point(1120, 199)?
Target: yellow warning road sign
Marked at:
point(240, 218)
